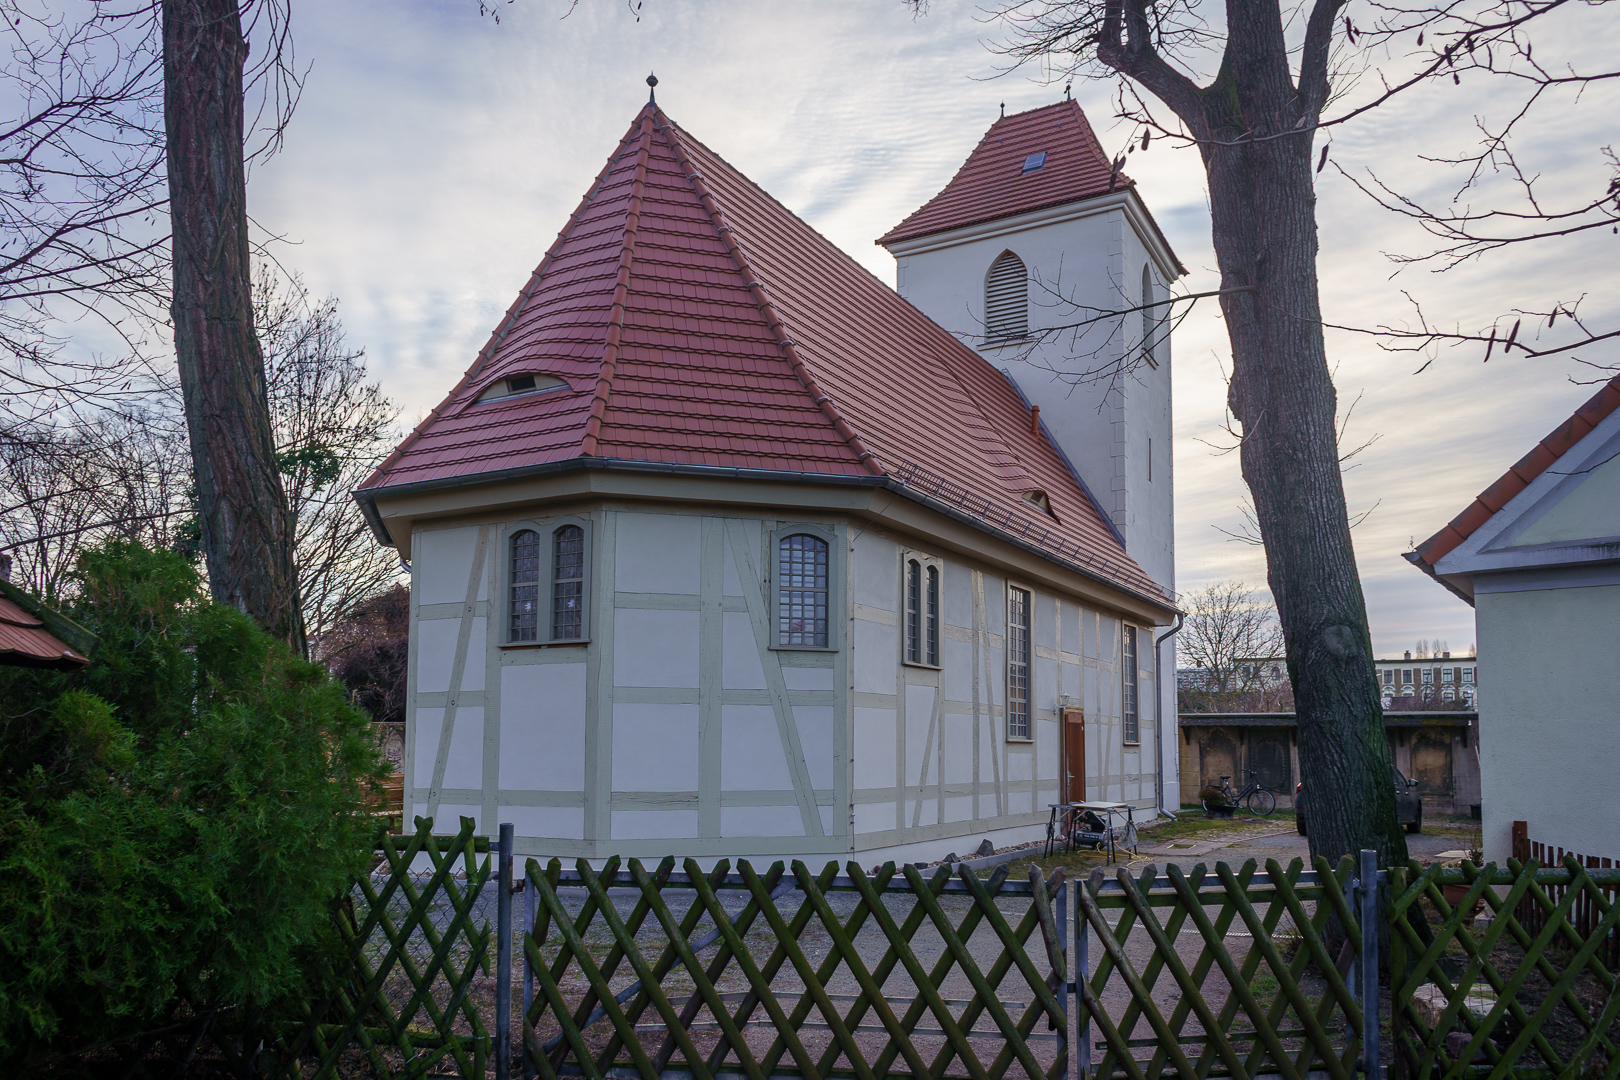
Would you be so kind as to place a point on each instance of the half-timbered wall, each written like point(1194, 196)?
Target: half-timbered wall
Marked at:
point(680, 726)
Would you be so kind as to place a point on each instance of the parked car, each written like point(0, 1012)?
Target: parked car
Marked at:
point(1408, 804)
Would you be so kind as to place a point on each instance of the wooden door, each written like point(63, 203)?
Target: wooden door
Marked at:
point(1074, 755)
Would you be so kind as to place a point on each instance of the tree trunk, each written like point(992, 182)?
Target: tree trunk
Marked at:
point(242, 509)
point(1263, 208)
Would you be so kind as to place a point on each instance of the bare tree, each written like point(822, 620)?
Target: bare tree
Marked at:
point(1231, 640)
point(331, 427)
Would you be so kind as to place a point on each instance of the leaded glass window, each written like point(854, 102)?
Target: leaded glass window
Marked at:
point(1128, 713)
point(568, 583)
point(1018, 663)
point(801, 591)
point(523, 617)
point(931, 616)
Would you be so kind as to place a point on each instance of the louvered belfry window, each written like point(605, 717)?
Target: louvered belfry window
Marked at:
point(1006, 299)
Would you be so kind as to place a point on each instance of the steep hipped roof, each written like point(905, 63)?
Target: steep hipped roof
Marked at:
point(697, 322)
point(1519, 477)
point(992, 182)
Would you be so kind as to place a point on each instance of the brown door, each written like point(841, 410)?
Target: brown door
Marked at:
point(1074, 755)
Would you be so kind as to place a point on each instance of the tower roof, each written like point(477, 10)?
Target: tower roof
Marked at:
point(995, 180)
point(686, 318)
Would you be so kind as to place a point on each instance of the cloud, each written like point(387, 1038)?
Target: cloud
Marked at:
point(435, 155)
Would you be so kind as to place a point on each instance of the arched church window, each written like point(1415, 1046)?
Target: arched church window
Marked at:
point(568, 583)
point(1006, 299)
point(523, 615)
point(801, 597)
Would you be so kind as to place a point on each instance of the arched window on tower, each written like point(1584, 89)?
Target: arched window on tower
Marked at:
point(1152, 320)
point(1006, 299)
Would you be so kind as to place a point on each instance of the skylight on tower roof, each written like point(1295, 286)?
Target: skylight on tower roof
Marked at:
point(1034, 161)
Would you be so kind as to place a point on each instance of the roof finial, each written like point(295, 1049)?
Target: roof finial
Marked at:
point(652, 89)
point(1066, 90)
point(1004, 110)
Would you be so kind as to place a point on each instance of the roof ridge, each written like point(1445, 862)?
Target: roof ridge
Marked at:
point(621, 294)
point(498, 335)
point(773, 320)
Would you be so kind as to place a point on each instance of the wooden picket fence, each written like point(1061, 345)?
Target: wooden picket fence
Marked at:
point(1584, 914)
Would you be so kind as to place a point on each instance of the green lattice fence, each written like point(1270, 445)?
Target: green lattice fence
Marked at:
point(783, 972)
point(1502, 973)
point(399, 1003)
point(1219, 972)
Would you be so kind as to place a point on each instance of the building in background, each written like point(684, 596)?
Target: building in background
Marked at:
point(1429, 682)
point(1537, 555)
point(722, 548)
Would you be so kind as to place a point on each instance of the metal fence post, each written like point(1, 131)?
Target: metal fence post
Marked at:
point(503, 958)
point(1082, 974)
point(1369, 963)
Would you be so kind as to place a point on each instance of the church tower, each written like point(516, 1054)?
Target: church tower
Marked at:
point(1029, 255)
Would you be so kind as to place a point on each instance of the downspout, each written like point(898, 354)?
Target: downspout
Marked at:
point(1158, 706)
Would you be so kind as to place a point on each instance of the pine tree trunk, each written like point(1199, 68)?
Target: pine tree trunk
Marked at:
point(246, 534)
point(1263, 208)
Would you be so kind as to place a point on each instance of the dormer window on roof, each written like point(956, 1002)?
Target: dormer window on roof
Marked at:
point(1039, 501)
point(1035, 161)
point(515, 385)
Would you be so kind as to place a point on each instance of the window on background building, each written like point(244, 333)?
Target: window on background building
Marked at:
point(1468, 674)
point(1445, 674)
point(1006, 299)
point(1018, 606)
point(1389, 677)
point(931, 618)
point(1127, 698)
point(1406, 676)
point(1428, 676)
point(523, 611)
point(801, 591)
point(1448, 694)
point(568, 583)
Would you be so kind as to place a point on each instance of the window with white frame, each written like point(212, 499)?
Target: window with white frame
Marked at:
point(921, 610)
point(1018, 660)
point(1127, 699)
point(801, 591)
point(1468, 675)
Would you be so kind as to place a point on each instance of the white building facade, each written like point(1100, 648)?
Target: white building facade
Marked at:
point(1537, 555)
point(693, 574)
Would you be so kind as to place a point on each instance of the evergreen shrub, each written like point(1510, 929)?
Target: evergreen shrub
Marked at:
point(176, 819)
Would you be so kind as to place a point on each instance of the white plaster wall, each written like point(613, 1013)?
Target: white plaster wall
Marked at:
point(1548, 733)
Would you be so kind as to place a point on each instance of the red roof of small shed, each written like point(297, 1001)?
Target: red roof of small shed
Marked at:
point(992, 182)
point(697, 321)
point(25, 642)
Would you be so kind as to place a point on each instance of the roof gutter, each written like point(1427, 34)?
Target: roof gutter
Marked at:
point(367, 498)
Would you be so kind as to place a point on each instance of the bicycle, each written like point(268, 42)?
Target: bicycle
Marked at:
point(1256, 798)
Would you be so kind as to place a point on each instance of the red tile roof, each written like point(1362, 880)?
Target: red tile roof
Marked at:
point(697, 321)
point(992, 183)
point(25, 642)
point(1516, 479)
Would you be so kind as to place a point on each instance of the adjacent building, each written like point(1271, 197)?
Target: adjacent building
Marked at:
point(1537, 555)
point(721, 547)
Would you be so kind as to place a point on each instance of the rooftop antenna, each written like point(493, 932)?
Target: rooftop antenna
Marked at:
point(652, 89)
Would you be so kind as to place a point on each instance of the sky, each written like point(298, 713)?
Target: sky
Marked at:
point(435, 154)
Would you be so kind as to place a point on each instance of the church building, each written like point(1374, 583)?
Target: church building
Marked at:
point(724, 547)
